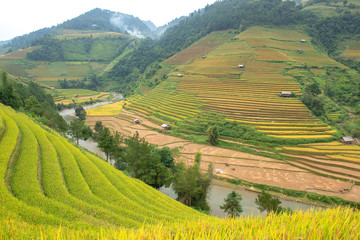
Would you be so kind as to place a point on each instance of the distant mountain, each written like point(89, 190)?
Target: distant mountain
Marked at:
point(99, 19)
point(92, 21)
point(150, 25)
point(160, 30)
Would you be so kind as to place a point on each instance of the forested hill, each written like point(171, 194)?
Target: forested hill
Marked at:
point(92, 21)
point(326, 32)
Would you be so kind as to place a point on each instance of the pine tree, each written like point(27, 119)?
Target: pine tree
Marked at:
point(232, 204)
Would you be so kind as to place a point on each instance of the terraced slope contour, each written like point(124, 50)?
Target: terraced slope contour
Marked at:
point(47, 180)
point(242, 77)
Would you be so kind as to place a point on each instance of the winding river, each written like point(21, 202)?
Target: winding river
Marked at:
point(217, 194)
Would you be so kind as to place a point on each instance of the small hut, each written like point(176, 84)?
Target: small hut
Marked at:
point(285, 94)
point(241, 66)
point(203, 57)
point(302, 40)
point(347, 139)
point(219, 171)
point(165, 127)
point(180, 75)
point(300, 51)
point(137, 121)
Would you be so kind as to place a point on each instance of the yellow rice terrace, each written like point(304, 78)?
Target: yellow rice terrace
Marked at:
point(52, 189)
point(243, 78)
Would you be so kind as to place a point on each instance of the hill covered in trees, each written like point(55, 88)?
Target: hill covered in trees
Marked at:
point(326, 32)
point(96, 20)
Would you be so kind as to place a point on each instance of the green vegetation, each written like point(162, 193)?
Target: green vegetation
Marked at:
point(232, 204)
point(192, 186)
point(268, 203)
point(28, 98)
point(78, 130)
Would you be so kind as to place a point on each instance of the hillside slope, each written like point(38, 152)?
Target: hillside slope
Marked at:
point(47, 180)
point(209, 79)
point(51, 189)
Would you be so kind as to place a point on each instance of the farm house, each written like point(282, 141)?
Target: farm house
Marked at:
point(302, 40)
point(180, 75)
point(165, 126)
point(285, 94)
point(137, 121)
point(241, 66)
point(347, 139)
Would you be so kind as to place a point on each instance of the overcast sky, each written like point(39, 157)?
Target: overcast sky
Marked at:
point(19, 17)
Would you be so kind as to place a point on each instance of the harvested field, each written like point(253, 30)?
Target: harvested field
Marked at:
point(249, 167)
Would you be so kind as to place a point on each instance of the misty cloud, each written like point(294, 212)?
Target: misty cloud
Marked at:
point(119, 20)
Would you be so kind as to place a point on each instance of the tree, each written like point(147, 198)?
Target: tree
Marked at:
point(106, 142)
point(98, 127)
point(7, 94)
point(143, 163)
point(313, 89)
point(232, 204)
point(32, 105)
point(80, 113)
point(213, 135)
point(267, 203)
point(78, 130)
point(192, 186)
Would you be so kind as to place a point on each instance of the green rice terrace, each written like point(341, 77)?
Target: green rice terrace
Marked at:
point(51, 189)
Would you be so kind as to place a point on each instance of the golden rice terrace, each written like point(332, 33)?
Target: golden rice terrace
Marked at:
point(242, 77)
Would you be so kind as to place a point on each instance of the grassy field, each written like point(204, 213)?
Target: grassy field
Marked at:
point(52, 189)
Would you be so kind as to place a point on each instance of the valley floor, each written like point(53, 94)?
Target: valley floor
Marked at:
point(234, 164)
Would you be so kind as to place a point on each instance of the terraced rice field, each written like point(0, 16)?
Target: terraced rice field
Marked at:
point(67, 96)
point(235, 164)
point(211, 80)
point(333, 159)
point(112, 109)
point(47, 73)
point(352, 51)
point(167, 101)
point(47, 180)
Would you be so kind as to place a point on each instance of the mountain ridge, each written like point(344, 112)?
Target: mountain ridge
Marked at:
point(94, 20)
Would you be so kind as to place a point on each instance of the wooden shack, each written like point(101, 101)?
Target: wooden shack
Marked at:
point(180, 75)
point(347, 139)
point(285, 94)
point(137, 121)
point(302, 40)
point(165, 127)
point(241, 66)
